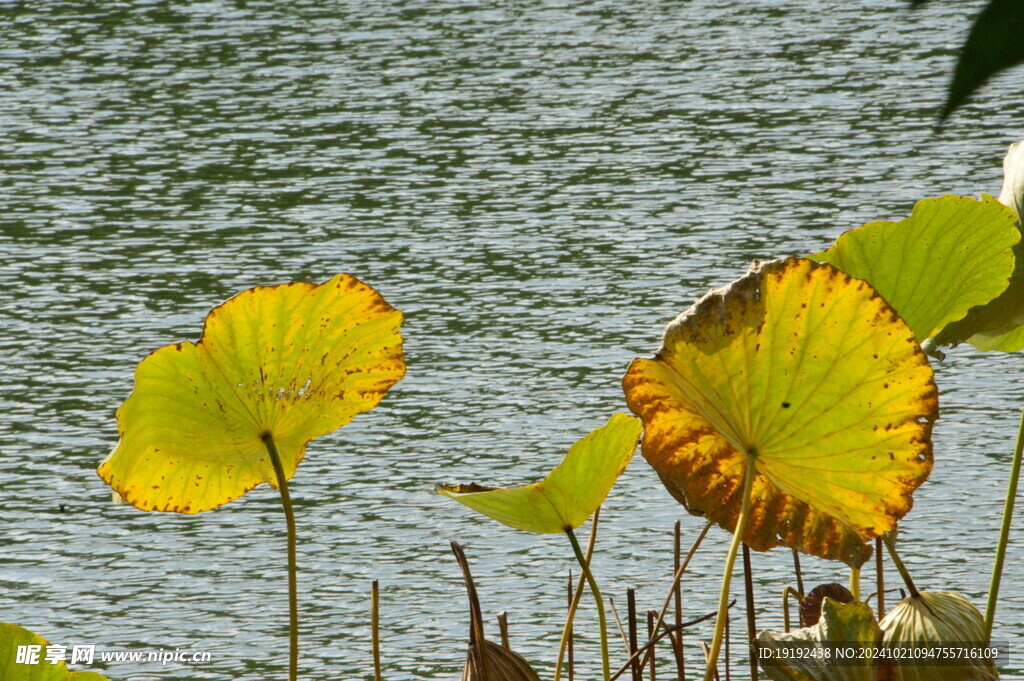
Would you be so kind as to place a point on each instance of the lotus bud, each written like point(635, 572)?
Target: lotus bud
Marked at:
point(810, 605)
point(1013, 180)
point(934, 620)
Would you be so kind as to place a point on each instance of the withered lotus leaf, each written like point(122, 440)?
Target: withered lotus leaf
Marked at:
point(813, 373)
point(290, 363)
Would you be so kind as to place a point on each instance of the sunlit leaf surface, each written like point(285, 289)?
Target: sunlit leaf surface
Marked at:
point(850, 625)
point(570, 493)
point(999, 325)
point(951, 254)
point(12, 636)
point(292, 362)
point(814, 373)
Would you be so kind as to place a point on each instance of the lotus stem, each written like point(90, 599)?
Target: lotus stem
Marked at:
point(675, 582)
point(375, 628)
point(665, 631)
point(677, 642)
point(598, 598)
point(293, 571)
point(568, 629)
point(880, 578)
point(634, 644)
point(618, 624)
point(787, 593)
point(503, 628)
point(477, 643)
point(748, 586)
point(1004, 532)
point(566, 641)
point(652, 616)
point(889, 544)
point(730, 560)
point(855, 583)
point(799, 573)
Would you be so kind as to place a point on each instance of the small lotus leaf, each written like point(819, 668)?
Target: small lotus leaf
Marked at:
point(570, 493)
point(289, 362)
point(938, 620)
point(848, 625)
point(812, 372)
point(12, 637)
point(953, 253)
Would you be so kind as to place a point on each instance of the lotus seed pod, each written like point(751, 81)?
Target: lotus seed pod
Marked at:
point(934, 621)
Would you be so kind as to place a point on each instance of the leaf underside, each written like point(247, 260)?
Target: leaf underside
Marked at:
point(570, 493)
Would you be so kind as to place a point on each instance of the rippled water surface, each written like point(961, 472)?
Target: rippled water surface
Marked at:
point(540, 186)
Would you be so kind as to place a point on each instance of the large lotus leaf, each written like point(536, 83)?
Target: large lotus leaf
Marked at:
point(289, 362)
point(12, 637)
point(934, 621)
point(951, 254)
point(812, 372)
point(850, 626)
point(570, 493)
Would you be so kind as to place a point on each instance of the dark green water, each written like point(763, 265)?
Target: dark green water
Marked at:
point(540, 186)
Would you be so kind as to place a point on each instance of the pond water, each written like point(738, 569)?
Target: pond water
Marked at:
point(540, 186)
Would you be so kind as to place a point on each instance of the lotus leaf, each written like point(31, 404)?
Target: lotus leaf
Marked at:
point(847, 625)
point(287, 363)
point(911, 262)
point(11, 637)
point(570, 493)
point(814, 376)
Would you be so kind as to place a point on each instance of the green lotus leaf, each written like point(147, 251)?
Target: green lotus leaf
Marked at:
point(847, 625)
point(288, 363)
point(570, 493)
point(12, 637)
point(814, 374)
point(937, 620)
point(999, 325)
point(953, 253)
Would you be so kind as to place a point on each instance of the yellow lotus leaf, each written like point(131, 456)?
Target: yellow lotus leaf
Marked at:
point(289, 362)
point(813, 373)
point(35, 666)
point(570, 493)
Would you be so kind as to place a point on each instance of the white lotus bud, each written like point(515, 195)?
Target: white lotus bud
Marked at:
point(1013, 179)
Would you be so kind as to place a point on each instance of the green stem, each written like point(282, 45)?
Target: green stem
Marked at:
point(1004, 532)
point(293, 589)
point(855, 583)
point(730, 560)
point(585, 566)
point(576, 596)
point(904, 573)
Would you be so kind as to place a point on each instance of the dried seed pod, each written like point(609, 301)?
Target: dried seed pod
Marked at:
point(936, 621)
point(503, 664)
point(810, 605)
